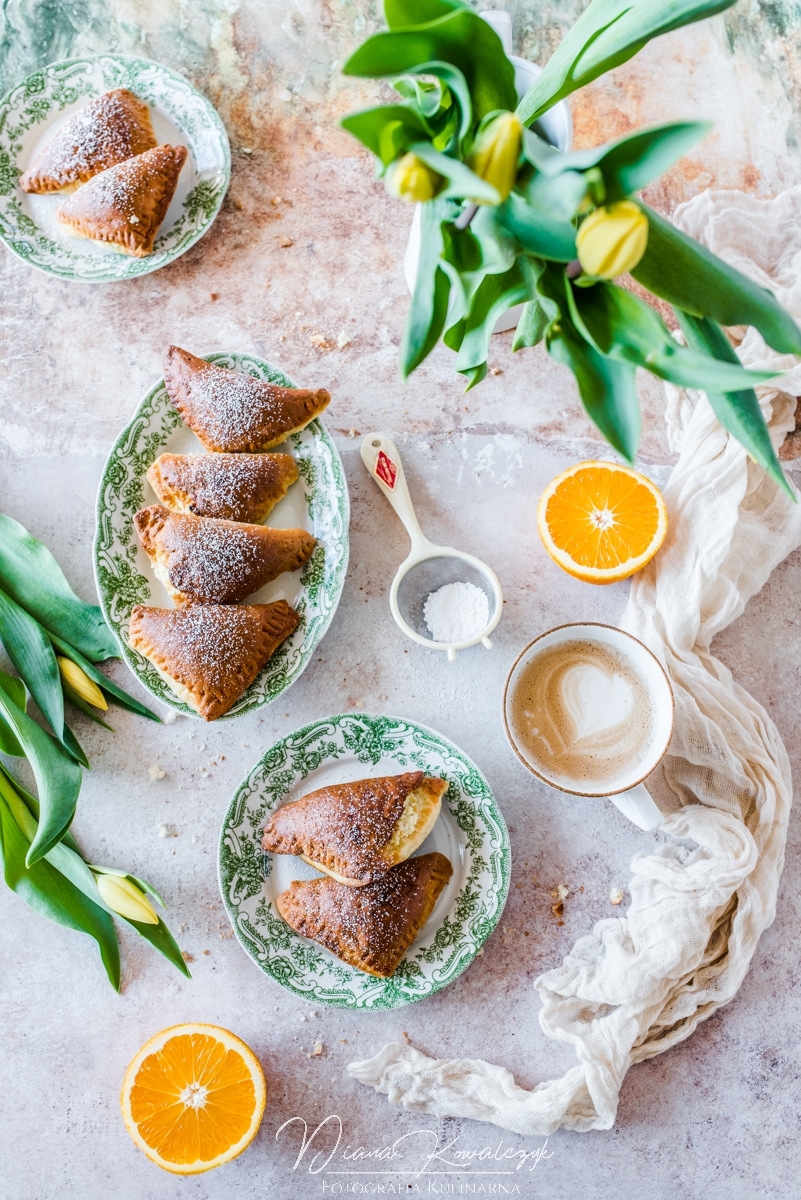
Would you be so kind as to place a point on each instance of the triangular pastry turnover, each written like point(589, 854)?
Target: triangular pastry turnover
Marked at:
point(201, 560)
point(235, 412)
point(358, 831)
point(210, 654)
point(109, 130)
point(370, 928)
point(230, 487)
point(123, 207)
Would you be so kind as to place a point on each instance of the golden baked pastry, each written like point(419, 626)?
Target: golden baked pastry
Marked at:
point(235, 412)
point(201, 560)
point(372, 927)
point(210, 654)
point(109, 130)
point(358, 831)
point(231, 487)
point(122, 208)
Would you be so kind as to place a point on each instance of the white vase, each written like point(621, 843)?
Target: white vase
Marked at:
point(556, 126)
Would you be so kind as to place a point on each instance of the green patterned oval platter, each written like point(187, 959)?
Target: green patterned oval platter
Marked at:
point(32, 112)
point(470, 832)
point(318, 502)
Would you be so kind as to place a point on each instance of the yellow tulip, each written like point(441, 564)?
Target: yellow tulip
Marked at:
point(410, 179)
point(80, 682)
point(126, 899)
point(495, 153)
point(612, 240)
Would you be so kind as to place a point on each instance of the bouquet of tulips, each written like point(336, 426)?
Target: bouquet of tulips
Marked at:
point(54, 640)
point(507, 219)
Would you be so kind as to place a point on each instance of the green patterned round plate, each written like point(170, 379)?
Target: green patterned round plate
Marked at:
point(317, 502)
point(471, 832)
point(34, 110)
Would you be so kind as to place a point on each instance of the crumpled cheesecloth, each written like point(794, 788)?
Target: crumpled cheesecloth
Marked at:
point(640, 983)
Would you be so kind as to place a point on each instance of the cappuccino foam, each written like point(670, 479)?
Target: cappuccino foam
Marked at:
point(583, 714)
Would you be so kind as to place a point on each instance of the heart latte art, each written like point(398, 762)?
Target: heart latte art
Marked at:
point(583, 714)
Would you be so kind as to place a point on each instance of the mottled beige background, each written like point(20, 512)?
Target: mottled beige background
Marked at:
point(306, 255)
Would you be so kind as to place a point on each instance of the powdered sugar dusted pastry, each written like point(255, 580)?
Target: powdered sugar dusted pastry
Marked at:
point(372, 927)
point(210, 654)
point(358, 831)
point(109, 130)
point(124, 206)
point(231, 487)
point(201, 560)
point(235, 412)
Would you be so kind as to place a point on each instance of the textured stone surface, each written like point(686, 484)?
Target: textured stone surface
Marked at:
point(715, 1117)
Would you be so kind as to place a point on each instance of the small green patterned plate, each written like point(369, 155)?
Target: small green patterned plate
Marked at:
point(317, 502)
point(34, 110)
point(470, 832)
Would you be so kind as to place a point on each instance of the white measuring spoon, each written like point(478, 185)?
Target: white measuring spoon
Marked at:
point(381, 457)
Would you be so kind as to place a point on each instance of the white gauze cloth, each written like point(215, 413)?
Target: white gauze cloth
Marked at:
point(639, 984)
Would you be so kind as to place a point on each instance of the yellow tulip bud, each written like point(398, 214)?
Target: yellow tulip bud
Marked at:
point(612, 240)
point(495, 153)
point(126, 899)
point(80, 682)
point(410, 179)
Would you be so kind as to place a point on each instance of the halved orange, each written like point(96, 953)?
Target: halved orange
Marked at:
point(601, 522)
point(193, 1098)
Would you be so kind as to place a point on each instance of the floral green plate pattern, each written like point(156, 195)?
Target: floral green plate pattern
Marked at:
point(471, 832)
point(317, 502)
point(32, 112)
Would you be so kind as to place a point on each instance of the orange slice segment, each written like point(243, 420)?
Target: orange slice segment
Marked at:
point(193, 1098)
point(601, 522)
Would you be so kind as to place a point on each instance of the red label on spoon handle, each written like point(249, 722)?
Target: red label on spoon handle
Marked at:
point(386, 470)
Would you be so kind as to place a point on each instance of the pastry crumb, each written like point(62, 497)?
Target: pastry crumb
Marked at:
point(285, 241)
point(169, 717)
point(186, 956)
point(319, 340)
point(616, 896)
point(343, 340)
point(354, 433)
point(317, 1051)
point(214, 295)
point(561, 892)
point(558, 908)
point(496, 371)
point(163, 830)
point(155, 772)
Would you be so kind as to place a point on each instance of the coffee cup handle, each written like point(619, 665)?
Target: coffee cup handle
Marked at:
point(637, 805)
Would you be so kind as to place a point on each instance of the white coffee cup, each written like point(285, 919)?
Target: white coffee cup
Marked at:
point(626, 791)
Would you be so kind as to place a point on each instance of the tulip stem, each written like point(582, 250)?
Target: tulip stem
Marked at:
point(465, 217)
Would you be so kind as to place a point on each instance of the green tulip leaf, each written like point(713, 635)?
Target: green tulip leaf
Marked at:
point(31, 576)
point(52, 894)
point(738, 412)
point(692, 278)
point(494, 296)
point(459, 37)
point(117, 694)
point(429, 307)
point(606, 385)
point(159, 937)
point(621, 325)
point(463, 184)
point(58, 776)
point(539, 234)
point(388, 130)
point(608, 33)
point(29, 648)
point(626, 165)
point(400, 14)
point(531, 326)
point(457, 85)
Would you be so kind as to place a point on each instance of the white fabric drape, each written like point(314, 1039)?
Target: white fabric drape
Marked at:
point(639, 984)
